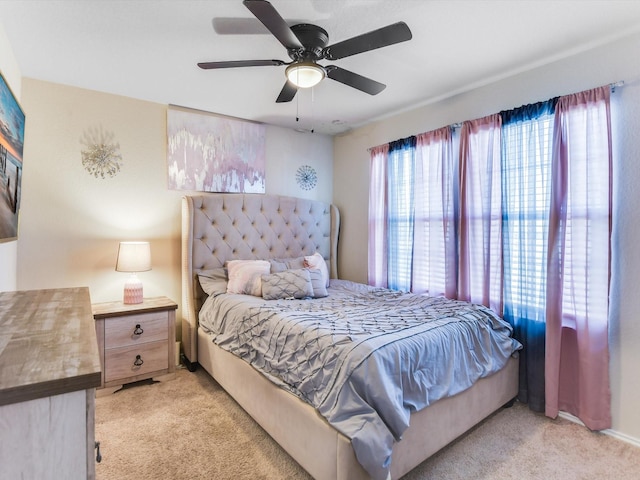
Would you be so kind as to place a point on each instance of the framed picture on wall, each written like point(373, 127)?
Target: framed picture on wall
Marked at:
point(11, 146)
point(214, 153)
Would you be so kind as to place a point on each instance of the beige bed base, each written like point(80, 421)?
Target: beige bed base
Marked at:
point(301, 431)
point(327, 454)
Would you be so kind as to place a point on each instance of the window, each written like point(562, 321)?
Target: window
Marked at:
point(533, 212)
point(526, 184)
point(400, 216)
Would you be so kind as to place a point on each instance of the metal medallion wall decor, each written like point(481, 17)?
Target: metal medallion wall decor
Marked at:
point(306, 177)
point(101, 157)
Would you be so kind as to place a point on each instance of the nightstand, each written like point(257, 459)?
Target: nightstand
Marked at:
point(136, 342)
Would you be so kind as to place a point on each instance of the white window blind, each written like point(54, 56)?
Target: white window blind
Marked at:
point(400, 218)
point(526, 164)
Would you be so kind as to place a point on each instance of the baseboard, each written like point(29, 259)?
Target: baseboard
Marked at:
point(612, 433)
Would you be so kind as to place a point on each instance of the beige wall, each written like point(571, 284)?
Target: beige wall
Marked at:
point(616, 62)
point(71, 222)
point(8, 248)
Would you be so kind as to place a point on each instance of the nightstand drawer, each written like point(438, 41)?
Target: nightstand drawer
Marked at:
point(135, 329)
point(135, 360)
point(125, 331)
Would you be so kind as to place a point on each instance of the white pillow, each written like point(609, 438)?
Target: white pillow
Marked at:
point(245, 276)
point(317, 282)
point(316, 262)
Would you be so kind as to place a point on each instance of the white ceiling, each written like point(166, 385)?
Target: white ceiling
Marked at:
point(149, 49)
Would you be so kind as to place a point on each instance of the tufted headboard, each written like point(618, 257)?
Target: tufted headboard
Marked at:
point(219, 227)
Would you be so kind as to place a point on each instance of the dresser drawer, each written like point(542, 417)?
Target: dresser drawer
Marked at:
point(121, 363)
point(135, 329)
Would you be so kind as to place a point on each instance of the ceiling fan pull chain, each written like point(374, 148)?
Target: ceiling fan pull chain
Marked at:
point(313, 96)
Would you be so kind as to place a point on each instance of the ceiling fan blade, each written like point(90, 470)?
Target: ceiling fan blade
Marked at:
point(354, 80)
point(243, 26)
point(240, 63)
point(382, 37)
point(271, 19)
point(287, 93)
point(238, 26)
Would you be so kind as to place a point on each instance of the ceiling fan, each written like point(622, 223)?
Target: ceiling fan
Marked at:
point(306, 44)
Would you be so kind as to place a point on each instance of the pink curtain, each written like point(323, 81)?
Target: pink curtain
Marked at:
point(434, 254)
point(577, 354)
point(377, 259)
point(480, 262)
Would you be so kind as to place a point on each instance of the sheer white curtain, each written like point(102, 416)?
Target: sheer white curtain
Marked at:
point(577, 352)
point(435, 243)
point(480, 236)
point(377, 253)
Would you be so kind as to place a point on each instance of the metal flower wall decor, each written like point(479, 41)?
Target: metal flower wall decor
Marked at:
point(306, 177)
point(101, 157)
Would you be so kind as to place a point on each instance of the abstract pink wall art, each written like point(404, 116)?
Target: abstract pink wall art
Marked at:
point(214, 153)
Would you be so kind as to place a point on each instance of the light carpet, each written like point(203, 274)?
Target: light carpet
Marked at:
point(189, 428)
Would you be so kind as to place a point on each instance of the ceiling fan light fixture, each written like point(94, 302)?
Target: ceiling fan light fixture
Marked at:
point(305, 74)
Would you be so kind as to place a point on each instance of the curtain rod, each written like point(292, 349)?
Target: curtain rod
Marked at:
point(612, 86)
point(615, 85)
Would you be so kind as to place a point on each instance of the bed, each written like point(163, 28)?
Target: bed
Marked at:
point(222, 228)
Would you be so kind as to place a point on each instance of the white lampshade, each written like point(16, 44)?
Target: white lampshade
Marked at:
point(305, 74)
point(133, 257)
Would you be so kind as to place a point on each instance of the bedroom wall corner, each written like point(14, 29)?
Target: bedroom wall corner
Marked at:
point(600, 66)
point(9, 249)
point(288, 150)
point(72, 221)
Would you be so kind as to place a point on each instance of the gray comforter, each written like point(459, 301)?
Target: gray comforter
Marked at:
point(364, 357)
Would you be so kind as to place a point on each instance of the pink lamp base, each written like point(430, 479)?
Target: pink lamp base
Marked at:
point(132, 290)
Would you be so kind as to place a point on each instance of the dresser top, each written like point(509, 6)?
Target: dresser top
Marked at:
point(48, 344)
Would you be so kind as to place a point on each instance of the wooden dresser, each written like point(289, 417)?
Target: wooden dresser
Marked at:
point(49, 370)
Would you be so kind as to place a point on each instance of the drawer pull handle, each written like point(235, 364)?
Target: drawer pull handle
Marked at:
point(138, 330)
point(138, 361)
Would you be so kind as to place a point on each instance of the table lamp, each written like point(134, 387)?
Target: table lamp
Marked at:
point(133, 257)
